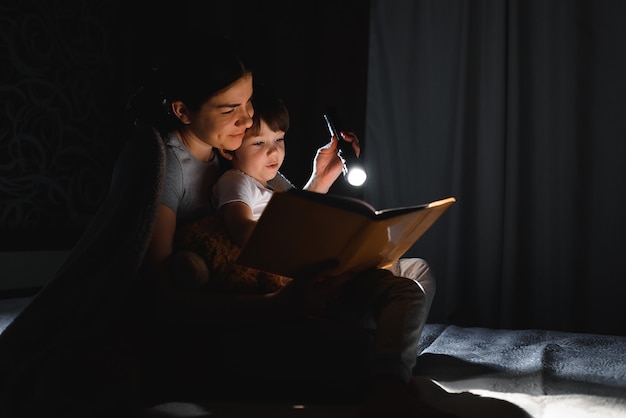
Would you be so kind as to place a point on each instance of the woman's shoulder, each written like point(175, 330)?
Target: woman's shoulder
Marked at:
point(173, 146)
point(170, 138)
point(179, 158)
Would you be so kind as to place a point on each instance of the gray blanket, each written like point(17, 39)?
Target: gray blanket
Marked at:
point(546, 373)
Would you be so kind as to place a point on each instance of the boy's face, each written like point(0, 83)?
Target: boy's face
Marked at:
point(261, 155)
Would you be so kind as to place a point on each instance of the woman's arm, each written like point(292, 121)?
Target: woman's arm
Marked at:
point(196, 306)
point(160, 247)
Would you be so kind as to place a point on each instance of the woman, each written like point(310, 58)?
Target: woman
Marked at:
point(297, 340)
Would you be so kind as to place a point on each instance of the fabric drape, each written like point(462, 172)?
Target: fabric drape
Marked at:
point(517, 109)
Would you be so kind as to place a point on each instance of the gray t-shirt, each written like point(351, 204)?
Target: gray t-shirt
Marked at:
point(188, 182)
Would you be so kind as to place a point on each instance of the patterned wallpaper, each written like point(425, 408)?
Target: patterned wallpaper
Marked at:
point(64, 80)
point(67, 68)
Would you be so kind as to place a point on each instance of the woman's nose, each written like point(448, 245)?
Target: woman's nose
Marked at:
point(245, 116)
point(246, 119)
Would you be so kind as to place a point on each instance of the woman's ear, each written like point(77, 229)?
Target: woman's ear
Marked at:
point(228, 155)
point(180, 111)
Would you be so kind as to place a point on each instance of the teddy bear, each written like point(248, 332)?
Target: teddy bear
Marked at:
point(206, 258)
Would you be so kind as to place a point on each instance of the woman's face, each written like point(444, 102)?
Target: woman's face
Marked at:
point(221, 121)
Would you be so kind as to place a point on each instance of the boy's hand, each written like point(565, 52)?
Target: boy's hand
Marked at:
point(327, 165)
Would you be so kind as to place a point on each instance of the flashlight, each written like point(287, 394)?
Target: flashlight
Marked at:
point(353, 170)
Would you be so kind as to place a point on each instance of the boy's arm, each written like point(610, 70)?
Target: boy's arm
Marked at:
point(238, 221)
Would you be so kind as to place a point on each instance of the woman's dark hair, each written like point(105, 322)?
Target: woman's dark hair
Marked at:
point(193, 72)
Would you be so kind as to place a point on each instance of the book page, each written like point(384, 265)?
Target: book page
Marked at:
point(299, 233)
point(405, 230)
point(386, 240)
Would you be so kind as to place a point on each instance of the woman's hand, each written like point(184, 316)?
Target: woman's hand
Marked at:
point(327, 165)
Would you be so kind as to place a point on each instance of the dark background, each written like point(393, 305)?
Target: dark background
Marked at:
point(68, 68)
point(515, 107)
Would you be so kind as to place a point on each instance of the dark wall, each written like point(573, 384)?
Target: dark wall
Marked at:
point(64, 78)
point(67, 70)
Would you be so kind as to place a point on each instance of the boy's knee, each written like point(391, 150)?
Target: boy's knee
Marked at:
point(419, 271)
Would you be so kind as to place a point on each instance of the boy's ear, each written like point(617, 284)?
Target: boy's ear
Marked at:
point(228, 155)
point(180, 111)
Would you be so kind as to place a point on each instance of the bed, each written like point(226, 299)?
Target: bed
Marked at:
point(544, 373)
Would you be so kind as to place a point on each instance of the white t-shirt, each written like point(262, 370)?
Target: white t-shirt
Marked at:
point(236, 186)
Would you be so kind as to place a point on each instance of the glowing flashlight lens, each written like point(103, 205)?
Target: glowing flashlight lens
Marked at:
point(356, 176)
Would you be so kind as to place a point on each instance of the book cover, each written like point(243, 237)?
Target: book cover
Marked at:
point(300, 229)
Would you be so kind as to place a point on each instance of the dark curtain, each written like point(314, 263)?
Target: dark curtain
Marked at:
point(518, 109)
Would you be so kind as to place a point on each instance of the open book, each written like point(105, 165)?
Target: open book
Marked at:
point(300, 229)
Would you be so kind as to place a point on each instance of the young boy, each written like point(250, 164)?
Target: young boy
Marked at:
point(242, 192)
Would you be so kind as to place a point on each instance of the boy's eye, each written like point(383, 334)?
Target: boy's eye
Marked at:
point(280, 139)
point(257, 143)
